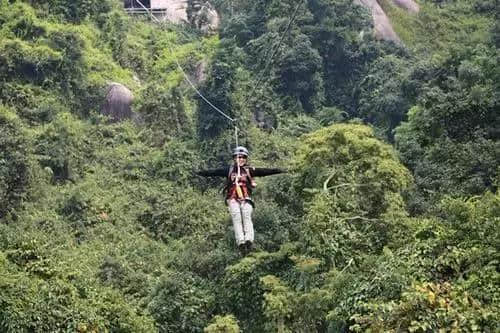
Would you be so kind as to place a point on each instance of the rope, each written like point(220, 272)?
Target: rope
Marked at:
point(182, 70)
point(275, 51)
point(236, 134)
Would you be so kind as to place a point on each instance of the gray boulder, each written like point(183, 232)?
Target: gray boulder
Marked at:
point(118, 102)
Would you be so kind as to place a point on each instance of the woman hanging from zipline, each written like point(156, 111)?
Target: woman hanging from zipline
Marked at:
point(238, 189)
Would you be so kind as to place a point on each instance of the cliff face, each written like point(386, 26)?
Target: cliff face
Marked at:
point(382, 24)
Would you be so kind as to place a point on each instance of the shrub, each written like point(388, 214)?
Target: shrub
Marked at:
point(181, 302)
point(225, 324)
point(62, 147)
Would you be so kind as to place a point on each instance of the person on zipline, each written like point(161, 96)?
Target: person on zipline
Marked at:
point(238, 189)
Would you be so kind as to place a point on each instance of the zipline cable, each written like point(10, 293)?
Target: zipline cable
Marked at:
point(233, 120)
point(292, 18)
point(271, 50)
point(186, 76)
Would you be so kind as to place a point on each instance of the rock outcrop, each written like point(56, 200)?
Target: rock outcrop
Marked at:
point(203, 16)
point(199, 14)
point(118, 102)
point(175, 10)
point(409, 5)
point(382, 24)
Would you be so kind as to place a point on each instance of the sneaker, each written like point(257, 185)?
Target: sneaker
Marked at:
point(242, 248)
point(249, 246)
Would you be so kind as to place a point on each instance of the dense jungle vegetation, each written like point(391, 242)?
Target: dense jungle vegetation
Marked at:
point(387, 221)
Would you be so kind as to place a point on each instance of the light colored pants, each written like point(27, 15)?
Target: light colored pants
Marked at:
point(241, 214)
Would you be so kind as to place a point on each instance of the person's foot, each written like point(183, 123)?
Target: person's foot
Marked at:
point(242, 248)
point(249, 246)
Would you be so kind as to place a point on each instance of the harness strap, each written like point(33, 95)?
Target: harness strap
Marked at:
point(231, 170)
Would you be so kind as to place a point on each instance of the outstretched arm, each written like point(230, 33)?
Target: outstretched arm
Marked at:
point(222, 172)
point(261, 172)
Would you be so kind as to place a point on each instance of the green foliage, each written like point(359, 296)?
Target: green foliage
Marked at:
point(19, 59)
point(25, 304)
point(340, 32)
point(299, 73)
point(226, 324)
point(450, 140)
point(277, 303)
point(242, 291)
point(181, 302)
point(296, 126)
point(382, 100)
point(437, 26)
point(349, 156)
point(75, 11)
point(429, 307)
point(26, 26)
point(62, 147)
point(455, 255)
point(354, 185)
point(175, 162)
point(217, 89)
point(56, 303)
point(14, 162)
point(66, 58)
point(115, 29)
point(163, 111)
point(166, 221)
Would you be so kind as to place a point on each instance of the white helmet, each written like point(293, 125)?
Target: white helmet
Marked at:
point(240, 151)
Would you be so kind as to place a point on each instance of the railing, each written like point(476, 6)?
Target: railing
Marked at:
point(145, 11)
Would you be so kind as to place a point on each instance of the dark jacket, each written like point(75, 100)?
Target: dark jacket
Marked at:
point(244, 182)
point(254, 172)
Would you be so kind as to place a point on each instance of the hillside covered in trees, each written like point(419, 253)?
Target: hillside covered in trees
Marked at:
point(388, 219)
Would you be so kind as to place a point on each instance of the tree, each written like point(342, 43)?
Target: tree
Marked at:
point(381, 99)
point(341, 32)
point(351, 183)
point(451, 137)
point(217, 89)
point(299, 74)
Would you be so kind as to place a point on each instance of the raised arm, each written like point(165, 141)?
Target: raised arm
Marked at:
point(222, 172)
point(261, 172)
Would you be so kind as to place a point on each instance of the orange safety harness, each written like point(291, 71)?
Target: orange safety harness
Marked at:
point(238, 186)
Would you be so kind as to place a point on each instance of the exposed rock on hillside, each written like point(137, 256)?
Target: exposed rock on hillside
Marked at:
point(409, 5)
point(176, 11)
point(382, 24)
point(198, 13)
point(118, 102)
point(203, 16)
point(200, 74)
